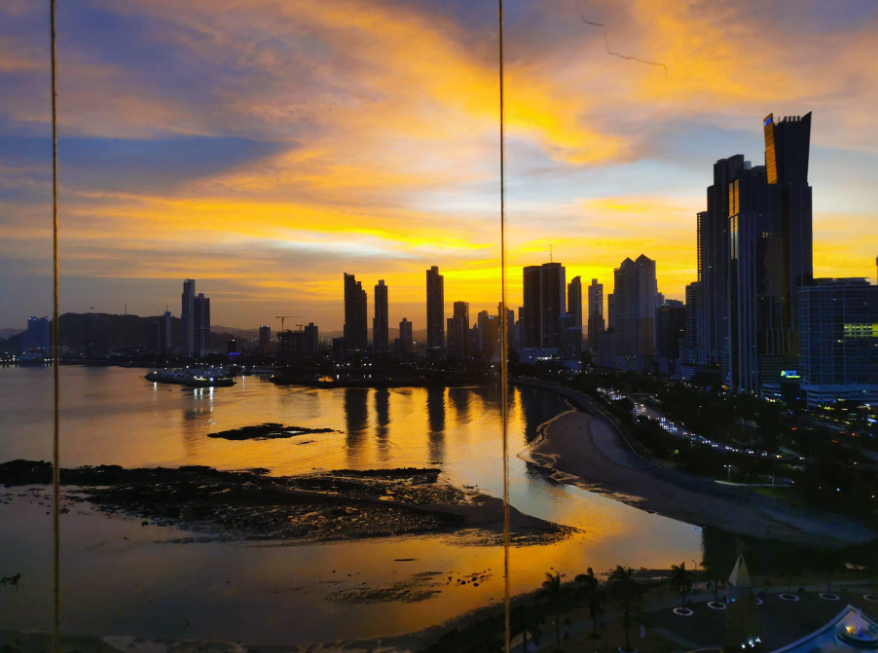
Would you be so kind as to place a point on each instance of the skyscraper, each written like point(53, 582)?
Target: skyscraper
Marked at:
point(595, 315)
point(634, 302)
point(187, 318)
point(544, 303)
point(356, 330)
point(264, 339)
point(770, 259)
point(380, 330)
point(574, 303)
point(489, 336)
point(435, 310)
point(458, 330)
point(670, 332)
point(201, 325)
point(166, 343)
point(713, 259)
point(689, 353)
point(406, 343)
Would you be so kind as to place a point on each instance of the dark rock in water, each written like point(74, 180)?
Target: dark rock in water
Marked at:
point(320, 506)
point(267, 431)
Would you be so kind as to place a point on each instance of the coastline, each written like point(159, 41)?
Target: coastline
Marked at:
point(583, 450)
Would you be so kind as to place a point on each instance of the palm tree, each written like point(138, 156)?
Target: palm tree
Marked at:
point(628, 590)
point(681, 580)
point(552, 592)
point(525, 624)
point(589, 589)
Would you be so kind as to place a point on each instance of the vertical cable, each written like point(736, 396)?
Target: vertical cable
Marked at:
point(504, 350)
point(56, 453)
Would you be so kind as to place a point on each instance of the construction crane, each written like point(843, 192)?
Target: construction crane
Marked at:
point(282, 318)
point(301, 326)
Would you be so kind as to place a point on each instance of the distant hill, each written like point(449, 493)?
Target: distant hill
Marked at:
point(243, 334)
point(8, 333)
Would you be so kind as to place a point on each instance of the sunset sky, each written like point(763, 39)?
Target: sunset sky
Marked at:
point(266, 147)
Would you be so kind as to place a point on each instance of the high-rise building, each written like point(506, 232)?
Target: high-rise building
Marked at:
point(166, 343)
point(380, 330)
point(689, 352)
point(595, 315)
point(634, 295)
point(37, 334)
point(187, 318)
point(838, 341)
point(670, 333)
point(458, 331)
point(489, 336)
point(574, 305)
point(435, 311)
point(201, 325)
point(713, 259)
point(264, 339)
point(770, 259)
point(356, 330)
point(544, 303)
point(405, 337)
point(311, 343)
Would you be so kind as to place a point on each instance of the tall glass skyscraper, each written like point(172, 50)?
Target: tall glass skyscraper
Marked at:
point(356, 328)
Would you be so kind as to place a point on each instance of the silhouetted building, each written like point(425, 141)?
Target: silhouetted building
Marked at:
point(544, 304)
point(607, 351)
point(166, 343)
point(634, 299)
point(37, 334)
point(311, 342)
point(595, 314)
point(838, 341)
point(264, 339)
point(435, 311)
point(489, 336)
point(380, 330)
point(689, 352)
point(713, 259)
point(574, 307)
point(187, 318)
point(232, 346)
point(458, 331)
point(571, 338)
point(406, 343)
point(356, 330)
point(670, 333)
point(201, 346)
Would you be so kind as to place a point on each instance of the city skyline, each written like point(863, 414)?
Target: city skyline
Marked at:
point(265, 190)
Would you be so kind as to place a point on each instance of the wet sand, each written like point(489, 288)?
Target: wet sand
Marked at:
point(584, 451)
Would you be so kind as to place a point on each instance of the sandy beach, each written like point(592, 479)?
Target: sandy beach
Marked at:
point(584, 451)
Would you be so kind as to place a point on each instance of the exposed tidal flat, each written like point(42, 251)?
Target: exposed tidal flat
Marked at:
point(121, 577)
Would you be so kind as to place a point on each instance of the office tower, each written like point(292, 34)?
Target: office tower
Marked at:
point(770, 259)
point(435, 310)
point(634, 296)
point(311, 344)
point(595, 314)
point(838, 341)
point(475, 341)
point(232, 346)
point(574, 304)
point(380, 331)
point(187, 318)
point(607, 348)
point(458, 331)
point(544, 303)
point(201, 325)
point(611, 311)
point(670, 333)
point(713, 259)
point(166, 343)
point(571, 338)
point(355, 326)
point(405, 337)
point(489, 336)
point(264, 339)
point(689, 353)
point(511, 331)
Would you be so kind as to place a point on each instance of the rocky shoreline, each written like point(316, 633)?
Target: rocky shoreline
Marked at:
point(307, 508)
